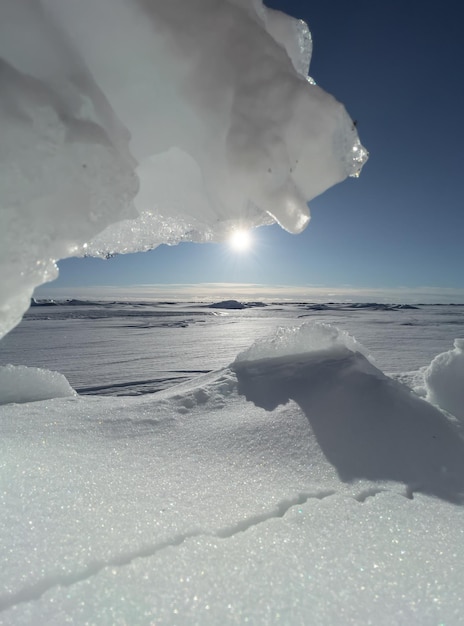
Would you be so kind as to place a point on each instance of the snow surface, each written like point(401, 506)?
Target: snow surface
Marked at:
point(122, 348)
point(106, 106)
point(297, 485)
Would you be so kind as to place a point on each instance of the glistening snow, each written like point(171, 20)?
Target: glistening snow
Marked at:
point(298, 484)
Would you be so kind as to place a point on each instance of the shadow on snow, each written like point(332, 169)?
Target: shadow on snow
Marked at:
point(367, 425)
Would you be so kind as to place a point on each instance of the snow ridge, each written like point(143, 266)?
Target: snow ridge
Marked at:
point(368, 425)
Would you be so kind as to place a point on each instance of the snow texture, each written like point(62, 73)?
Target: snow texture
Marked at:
point(191, 116)
point(444, 380)
point(297, 485)
point(29, 384)
point(295, 488)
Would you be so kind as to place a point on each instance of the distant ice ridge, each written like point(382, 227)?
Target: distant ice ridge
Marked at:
point(20, 384)
point(193, 115)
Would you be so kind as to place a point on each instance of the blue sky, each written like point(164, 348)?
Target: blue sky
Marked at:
point(397, 67)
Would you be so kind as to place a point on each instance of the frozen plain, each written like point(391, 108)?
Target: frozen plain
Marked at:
point(100, 345)
point(296, 485)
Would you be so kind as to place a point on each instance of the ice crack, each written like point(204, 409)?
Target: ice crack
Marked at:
point(281, 509)
point(41, 587)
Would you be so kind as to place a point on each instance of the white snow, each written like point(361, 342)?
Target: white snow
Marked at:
point(295, 483)
point(28, 384)
point(444, 380)
point(291, 488)
point(197, 111)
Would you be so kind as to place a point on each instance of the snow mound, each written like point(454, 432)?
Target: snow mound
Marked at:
point(236, 304)
point(444, 380)
point(21, 384)
point(367, 425)
point(227, 304)
point(97, 135)
point(309, 337)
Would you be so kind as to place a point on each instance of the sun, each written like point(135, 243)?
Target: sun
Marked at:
point(240, 240)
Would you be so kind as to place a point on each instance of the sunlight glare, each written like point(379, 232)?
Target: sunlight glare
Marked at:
point(240, 240)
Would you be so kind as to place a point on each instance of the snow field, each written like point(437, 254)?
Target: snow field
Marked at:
point(297, 488)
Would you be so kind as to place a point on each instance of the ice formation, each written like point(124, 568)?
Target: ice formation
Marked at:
point(444, 380)
point(193, 115)
point(306, 338)
point(21, 384)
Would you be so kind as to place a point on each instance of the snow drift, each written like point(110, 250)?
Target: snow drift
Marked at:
point(21, 384)
point(309, 473)
point(368, 425)
point(310, 337)
point(444, 380)
point(189, 115)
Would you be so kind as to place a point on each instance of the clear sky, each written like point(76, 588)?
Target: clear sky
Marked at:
point(398, 68)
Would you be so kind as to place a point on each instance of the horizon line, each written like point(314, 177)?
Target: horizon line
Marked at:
point(253, 291)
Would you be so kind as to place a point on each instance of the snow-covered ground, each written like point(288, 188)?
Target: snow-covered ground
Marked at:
point(147, 346)
point(293, 484)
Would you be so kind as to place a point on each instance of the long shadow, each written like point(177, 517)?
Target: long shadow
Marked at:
point(368, 425)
